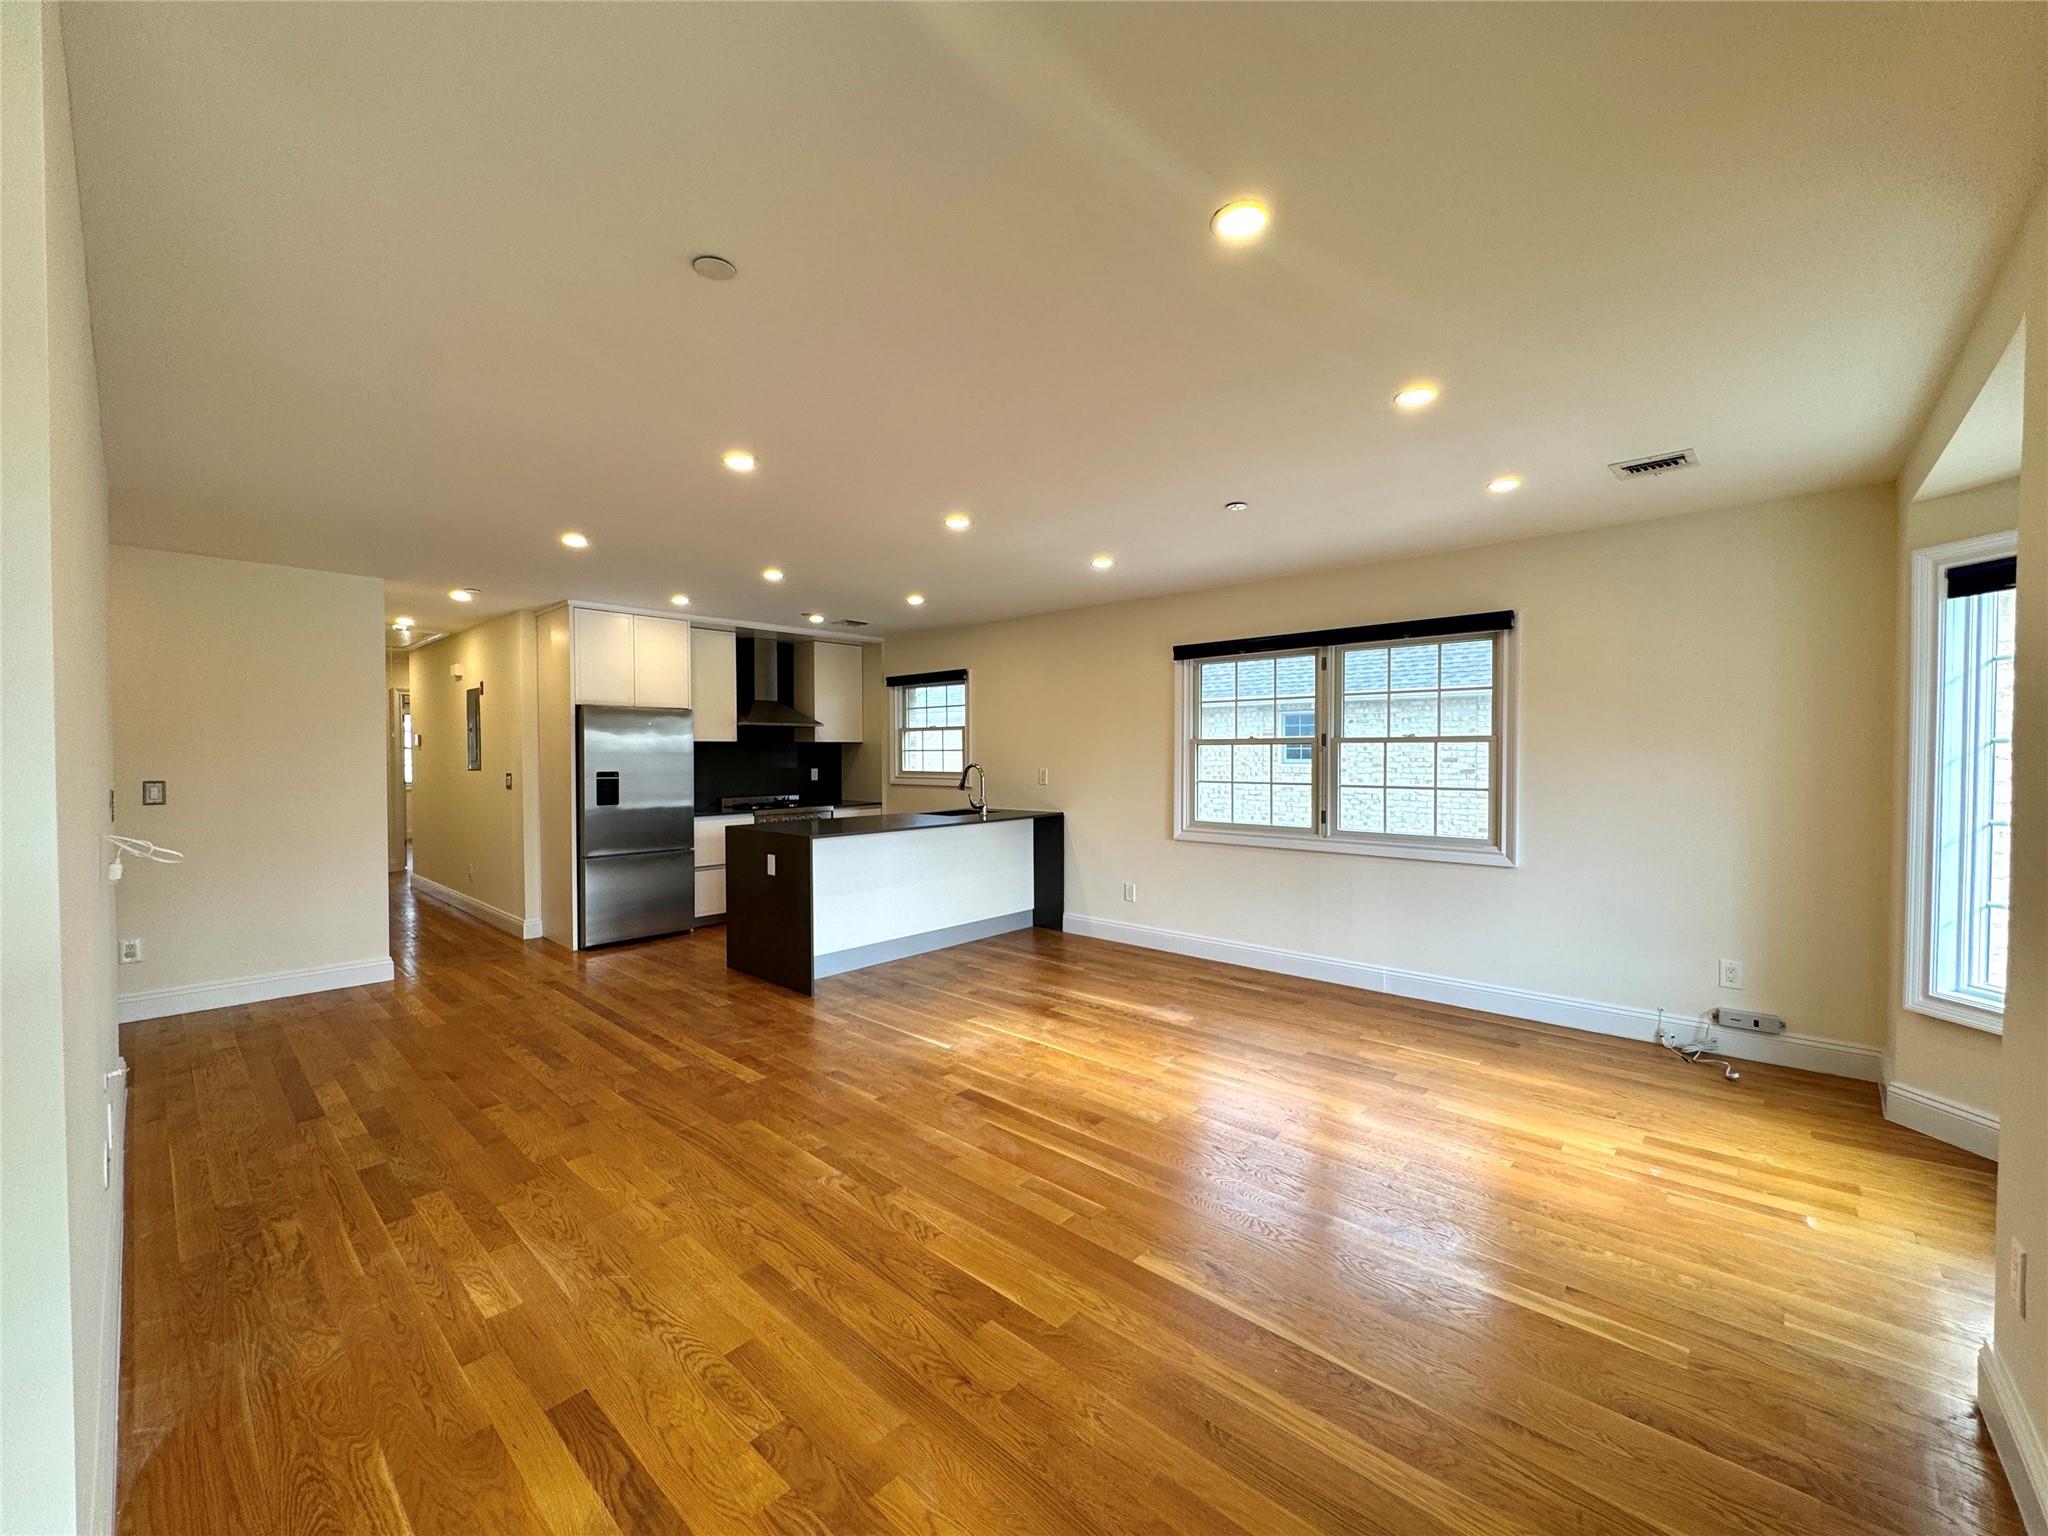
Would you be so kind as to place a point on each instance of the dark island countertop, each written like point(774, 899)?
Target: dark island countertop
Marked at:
point(900, 821)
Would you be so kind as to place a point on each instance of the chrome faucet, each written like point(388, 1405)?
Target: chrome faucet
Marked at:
point(977, 798)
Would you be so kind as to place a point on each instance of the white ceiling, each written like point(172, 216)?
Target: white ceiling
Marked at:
point(403, 290)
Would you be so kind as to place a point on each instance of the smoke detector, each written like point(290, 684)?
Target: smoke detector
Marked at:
point(1655, 464)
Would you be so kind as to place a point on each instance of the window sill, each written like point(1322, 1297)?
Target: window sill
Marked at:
point(1426, 852)
point(1981, 1019)
point(926, 780)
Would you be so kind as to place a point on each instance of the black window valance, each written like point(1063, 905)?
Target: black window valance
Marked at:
point(1356, 634)
point(919, 679)
point(1983, 576)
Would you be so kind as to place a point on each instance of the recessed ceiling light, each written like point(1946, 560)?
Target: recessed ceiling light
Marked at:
point(959, 522)
point(740, 462)
point(717, 268)
point(1500, 485)
point(1103, 562)
point(575, 541)
point(1237, 506)
point(1239, 221)
point(815, 618)
point(1414, 397)
point(916, 599)
point(462, 594)
point(773, 573)
point(681, 600)
point(403, 621)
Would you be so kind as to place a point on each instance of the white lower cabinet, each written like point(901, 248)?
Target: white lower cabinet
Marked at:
point(710, 893)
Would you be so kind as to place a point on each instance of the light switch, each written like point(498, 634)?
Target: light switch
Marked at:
point(771, 864)
point(508, 781)
point(152, 791)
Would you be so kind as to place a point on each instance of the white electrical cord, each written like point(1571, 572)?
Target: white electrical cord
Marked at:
point(1693, 1055)
point(140, 848)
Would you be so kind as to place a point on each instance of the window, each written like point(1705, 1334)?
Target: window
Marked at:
point(1387, 739)
point(1960, 812)
point(930, 715)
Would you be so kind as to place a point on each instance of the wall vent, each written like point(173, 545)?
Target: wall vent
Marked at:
point(1656, 464)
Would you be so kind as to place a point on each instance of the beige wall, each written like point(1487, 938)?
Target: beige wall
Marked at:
point(257, 693)
point(1705, 749)
point(1929, 1054)
point(60, 1259)
point(2021, 1344)
point(469, 832)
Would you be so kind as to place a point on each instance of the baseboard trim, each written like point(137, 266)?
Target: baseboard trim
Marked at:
point(2021, 1450)
point(1808, 1053)
point(102, 1489)
point(1931, 1114)
point(497, 917)
point(164, 1002)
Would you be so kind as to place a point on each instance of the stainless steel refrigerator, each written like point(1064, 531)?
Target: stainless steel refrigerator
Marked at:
point(636, 823)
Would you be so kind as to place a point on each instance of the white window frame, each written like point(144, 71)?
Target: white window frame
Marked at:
point(897, 775)
point(1930, 584)
point(1323, 838)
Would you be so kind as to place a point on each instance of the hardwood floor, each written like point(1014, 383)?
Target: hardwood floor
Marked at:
point(1039, 1235)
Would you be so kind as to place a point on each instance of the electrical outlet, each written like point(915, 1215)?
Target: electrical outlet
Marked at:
point(131, 951)
point(1731, 975)
point(1130, 891)
point(814, 775)
point(472, 873)
point(1044, 777)
point(2016, 1276)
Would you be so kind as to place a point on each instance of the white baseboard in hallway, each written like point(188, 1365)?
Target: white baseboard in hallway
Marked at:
point(1945, 1119)
point(163, 1002)
point(497, 917)
point(2021, 1450)
point(1809, 1053)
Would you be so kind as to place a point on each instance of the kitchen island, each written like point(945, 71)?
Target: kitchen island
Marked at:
point(811, 899)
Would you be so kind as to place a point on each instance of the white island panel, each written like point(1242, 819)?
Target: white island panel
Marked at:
point(894, 885)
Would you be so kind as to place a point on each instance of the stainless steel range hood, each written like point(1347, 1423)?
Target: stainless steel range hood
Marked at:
point(772, 683)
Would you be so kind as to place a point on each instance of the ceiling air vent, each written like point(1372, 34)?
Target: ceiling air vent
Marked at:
point(1656, 464)
point(850, 623)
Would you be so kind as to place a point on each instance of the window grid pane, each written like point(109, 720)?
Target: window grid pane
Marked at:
point(931, 735)
point(1254, 755)
point(1972, 854)
point(1417, 742)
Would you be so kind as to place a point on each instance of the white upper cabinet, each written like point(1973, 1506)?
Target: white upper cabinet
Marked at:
point(661, 662)
point(828, 686)
point(630, 658)
point(714, 684)
point(601, 647)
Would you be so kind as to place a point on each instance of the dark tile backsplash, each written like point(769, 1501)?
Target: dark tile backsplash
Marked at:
point(766, 762)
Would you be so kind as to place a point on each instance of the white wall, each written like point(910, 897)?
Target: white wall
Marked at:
point(470, 833)
point(2020, 1344)
point(257, 693)
point(60, 1259)
point(1705, 761)
point(1929, 1055)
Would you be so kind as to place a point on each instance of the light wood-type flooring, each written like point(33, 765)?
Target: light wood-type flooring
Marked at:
point(1040, 1234)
